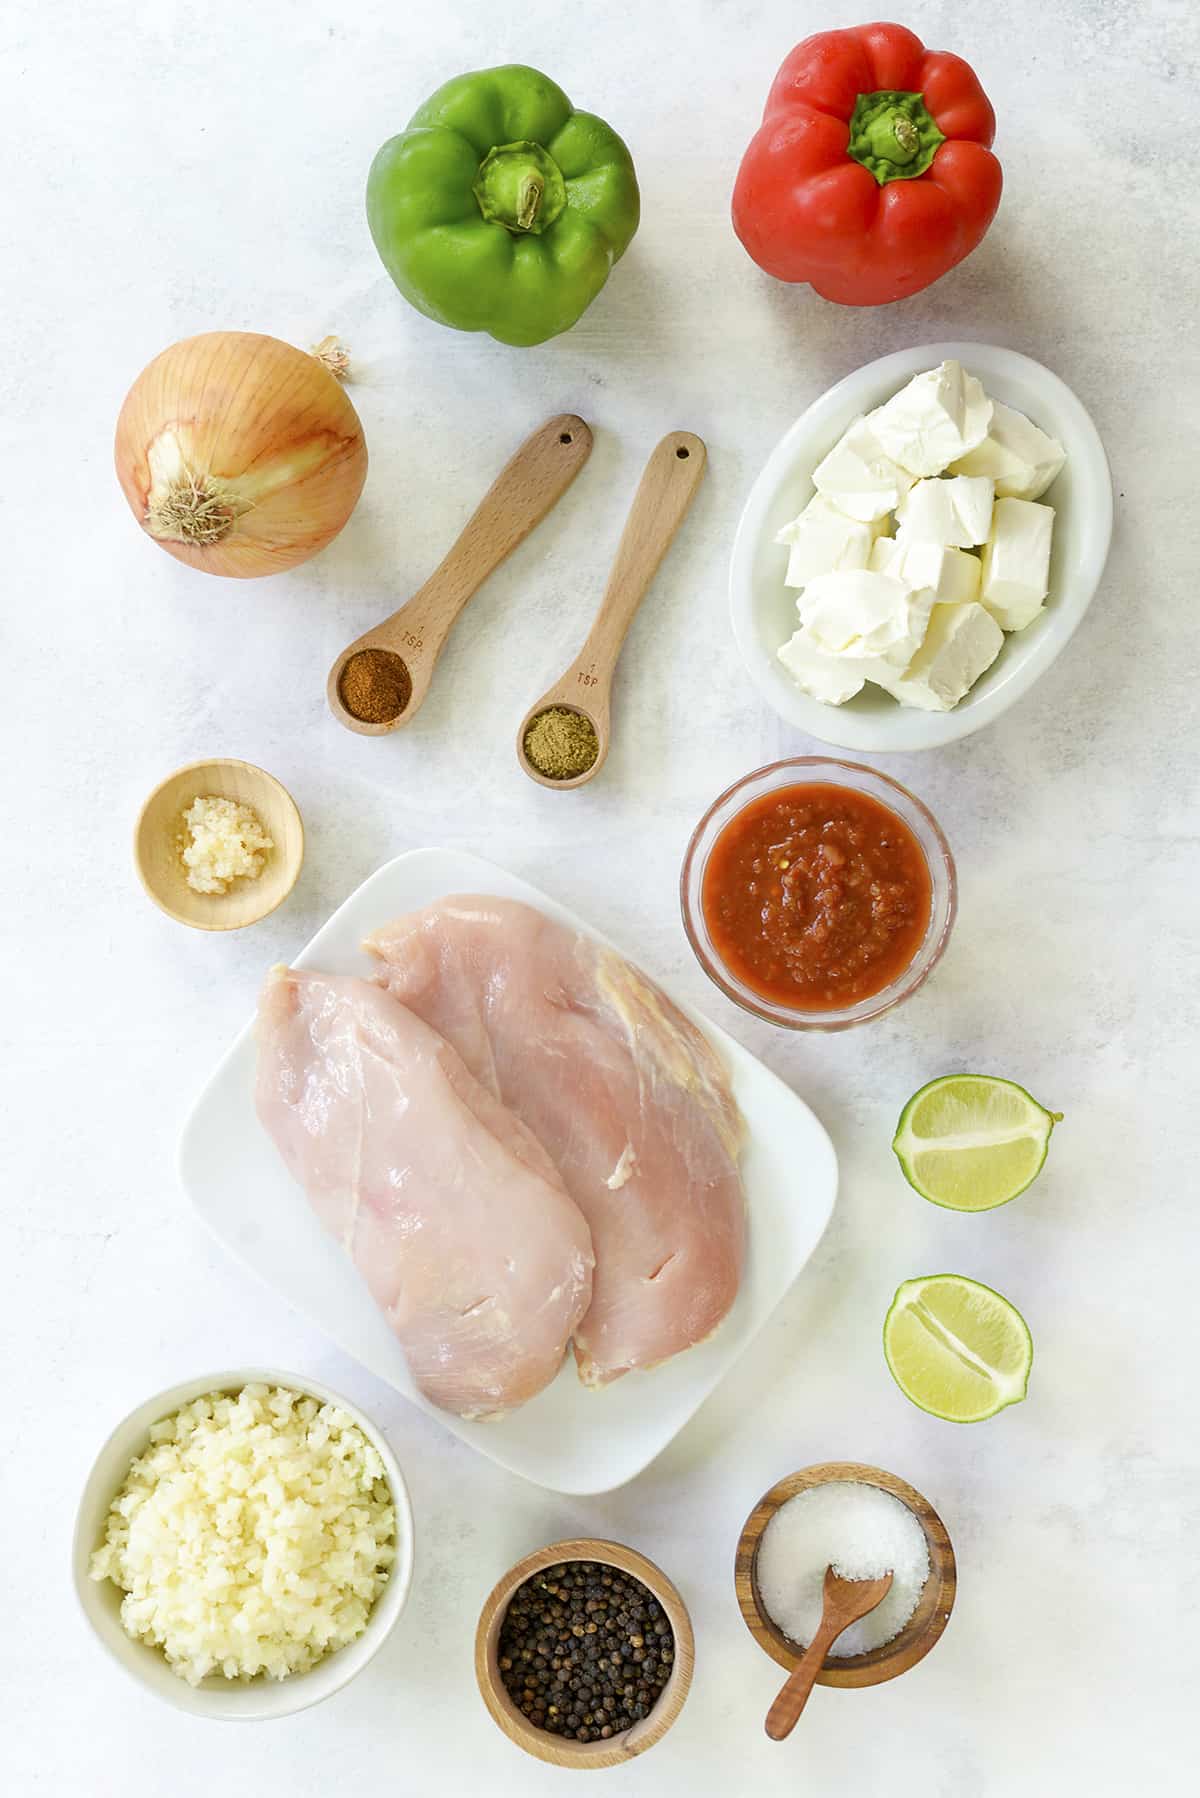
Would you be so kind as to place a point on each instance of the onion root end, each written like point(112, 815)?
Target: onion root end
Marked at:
point(194, 509)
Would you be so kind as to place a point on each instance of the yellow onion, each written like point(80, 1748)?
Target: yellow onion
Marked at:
point(239, 454)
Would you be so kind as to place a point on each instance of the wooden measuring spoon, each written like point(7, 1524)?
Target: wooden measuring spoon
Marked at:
point(667, 488)
point(527, 487)
point(846, 1600)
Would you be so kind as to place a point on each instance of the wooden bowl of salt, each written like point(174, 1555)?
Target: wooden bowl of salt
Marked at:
point(914, 1639)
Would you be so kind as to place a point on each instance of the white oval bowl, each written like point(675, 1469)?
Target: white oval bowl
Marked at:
point(763, 610)
point(257, 1699)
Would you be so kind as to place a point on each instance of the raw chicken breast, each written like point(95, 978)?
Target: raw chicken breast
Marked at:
point(627, 1096)
point(449, 1207)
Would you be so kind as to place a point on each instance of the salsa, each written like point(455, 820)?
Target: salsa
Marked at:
point(816, 896)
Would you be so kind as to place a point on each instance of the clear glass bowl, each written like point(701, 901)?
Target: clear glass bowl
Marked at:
point(808, 770)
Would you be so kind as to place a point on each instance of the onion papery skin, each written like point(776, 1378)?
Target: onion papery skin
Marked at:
point(263, 430)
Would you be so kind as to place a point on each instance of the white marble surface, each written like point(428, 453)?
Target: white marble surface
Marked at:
point(169, 169)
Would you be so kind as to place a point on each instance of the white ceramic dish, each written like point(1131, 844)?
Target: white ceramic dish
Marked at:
point(257, 1699)
point(567, 1439)
point(763, 610)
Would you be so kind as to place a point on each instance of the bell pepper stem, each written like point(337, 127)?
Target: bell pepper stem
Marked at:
point(906, 134)
point(894, 135)
point(521, 187)
point(528, 200)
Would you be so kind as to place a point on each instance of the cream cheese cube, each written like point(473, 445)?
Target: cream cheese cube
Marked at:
point(859, 477)
point(828, 678)
point(961, 574)
point(941, 415)
point(821, 509)
point(1016, 562)
point(954, 512)
point(952, 573)
point(961, 643)
point(823, 539)
point(1021, 459)
point(864, 615)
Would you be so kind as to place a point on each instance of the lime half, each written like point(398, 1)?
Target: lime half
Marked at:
point(970, 1142)
point(957, 1348)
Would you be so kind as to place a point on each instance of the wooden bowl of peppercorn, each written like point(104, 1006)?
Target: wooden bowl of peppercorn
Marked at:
point(584, 1654)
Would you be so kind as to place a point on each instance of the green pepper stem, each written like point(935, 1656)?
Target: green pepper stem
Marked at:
point(894, 135)
point(521, 187)
point(529, 199)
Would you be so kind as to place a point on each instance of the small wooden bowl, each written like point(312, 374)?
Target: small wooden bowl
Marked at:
point(557, 1749)
point(922, 1629)
point(160, 825)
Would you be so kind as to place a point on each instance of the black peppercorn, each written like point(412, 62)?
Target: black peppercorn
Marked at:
point(585, 1650)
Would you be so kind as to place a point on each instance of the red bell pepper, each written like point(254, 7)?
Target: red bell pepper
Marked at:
point(871, 173)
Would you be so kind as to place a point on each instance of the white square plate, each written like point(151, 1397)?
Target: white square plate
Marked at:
point(567, 1439)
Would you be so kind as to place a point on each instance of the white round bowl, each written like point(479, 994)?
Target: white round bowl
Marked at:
point(257, 1699)
point(763, 610)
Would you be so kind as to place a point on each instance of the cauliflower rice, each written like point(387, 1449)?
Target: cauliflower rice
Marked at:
point(253, 1536)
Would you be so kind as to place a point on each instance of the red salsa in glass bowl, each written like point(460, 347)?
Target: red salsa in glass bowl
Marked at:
point(818, 893)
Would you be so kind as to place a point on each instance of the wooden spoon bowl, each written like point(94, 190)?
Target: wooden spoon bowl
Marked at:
point(160, 825)
point(923, 1628)
point(558, 1750)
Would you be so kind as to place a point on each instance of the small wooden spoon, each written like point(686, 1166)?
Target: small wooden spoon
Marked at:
point(846, 1600)
point(527, 487)
point(666, 490)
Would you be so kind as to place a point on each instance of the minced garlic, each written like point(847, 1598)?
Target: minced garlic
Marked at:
point(224, 841)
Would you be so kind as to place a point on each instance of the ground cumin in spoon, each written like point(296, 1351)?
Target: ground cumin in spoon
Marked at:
point(375, 686)
point(561, 744)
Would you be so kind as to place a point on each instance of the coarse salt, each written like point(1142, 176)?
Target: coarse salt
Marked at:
point(861, 1532)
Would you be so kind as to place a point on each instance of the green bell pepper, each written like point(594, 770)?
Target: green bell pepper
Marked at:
point(501, 208)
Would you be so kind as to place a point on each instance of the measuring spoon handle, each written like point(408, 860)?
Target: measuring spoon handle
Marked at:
point(667, 488)
point(531, 482)
point(784, 1714)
